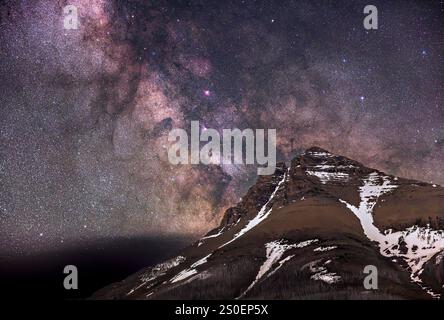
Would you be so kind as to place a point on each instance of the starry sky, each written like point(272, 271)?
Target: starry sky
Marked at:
point(85, 114)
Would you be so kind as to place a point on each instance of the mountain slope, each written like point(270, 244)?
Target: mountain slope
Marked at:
point(307, 232)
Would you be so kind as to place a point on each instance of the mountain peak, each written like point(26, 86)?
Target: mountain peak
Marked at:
point(304, 231)
point(316, 159)
point(321, 154)
point(316, 149)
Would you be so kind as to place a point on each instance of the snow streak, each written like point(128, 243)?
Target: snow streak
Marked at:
point(274, 252)
point(201, 241)
point(320, 273)
point(157, 271)
point(323, 249)
point(184, 274)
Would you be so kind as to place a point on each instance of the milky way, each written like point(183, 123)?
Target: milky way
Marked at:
point(85, 113)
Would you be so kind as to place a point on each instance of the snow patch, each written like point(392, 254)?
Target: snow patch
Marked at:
point(320, 272)
point(274, 252)
point(370, 193)
point(161, 268)
point(327, 277)
point(199, 276)
point(201, 241)
point(326, 176)
point(184, 274)
point(320, 154)
point(322, 167)
point(323, 249)
point(157, 271)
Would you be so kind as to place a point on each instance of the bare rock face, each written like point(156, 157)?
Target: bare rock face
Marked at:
point(307, 232)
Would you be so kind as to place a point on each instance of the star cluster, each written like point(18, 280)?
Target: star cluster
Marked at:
point(85, 113)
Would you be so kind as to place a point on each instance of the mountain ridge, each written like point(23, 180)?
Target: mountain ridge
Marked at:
point(315, 225)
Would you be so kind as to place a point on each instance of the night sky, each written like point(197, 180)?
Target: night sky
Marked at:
point(85, 114)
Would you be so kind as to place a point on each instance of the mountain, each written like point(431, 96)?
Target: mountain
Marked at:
point(307, 232)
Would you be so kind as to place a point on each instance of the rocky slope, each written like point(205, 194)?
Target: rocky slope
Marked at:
point(307, 232)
